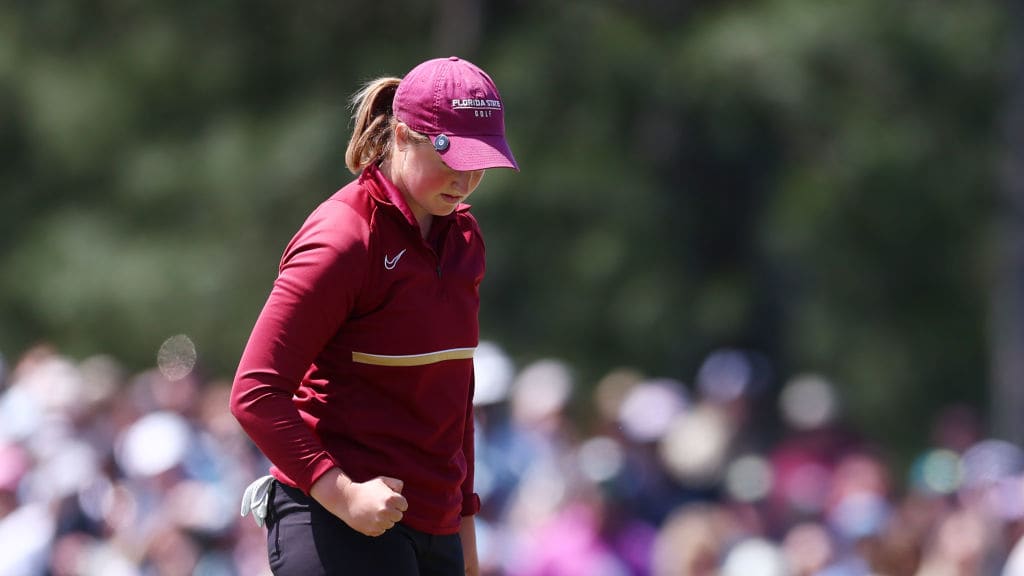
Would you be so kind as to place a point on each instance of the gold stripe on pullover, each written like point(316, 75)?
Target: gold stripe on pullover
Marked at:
point(413, 359)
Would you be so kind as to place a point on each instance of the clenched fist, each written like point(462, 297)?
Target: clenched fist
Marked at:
point(371, 508)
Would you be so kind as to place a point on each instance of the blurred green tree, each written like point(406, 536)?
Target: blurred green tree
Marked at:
point(812, 179)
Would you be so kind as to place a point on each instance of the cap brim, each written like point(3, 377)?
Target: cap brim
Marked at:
point(465, 153)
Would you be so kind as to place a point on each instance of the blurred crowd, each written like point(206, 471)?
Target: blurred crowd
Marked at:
point(734, 472)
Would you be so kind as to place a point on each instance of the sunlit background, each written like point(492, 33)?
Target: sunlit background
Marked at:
point(754, 306)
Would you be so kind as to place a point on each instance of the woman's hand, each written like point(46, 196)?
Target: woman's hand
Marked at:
point(371, 507)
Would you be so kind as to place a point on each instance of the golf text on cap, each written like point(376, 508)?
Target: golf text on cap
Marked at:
point(481, 108)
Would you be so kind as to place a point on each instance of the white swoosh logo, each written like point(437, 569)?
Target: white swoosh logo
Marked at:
point(390, 263)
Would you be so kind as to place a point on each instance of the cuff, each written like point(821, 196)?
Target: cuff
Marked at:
point(470, 504)
point(320, 466)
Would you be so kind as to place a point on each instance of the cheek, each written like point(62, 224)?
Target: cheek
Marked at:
point(429, 169)
point(429, 181)
point(419, 176)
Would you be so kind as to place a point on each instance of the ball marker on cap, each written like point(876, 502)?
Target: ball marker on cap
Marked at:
point(441, 143)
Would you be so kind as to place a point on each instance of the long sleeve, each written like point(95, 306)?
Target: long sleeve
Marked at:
point(321, 274)
point(470, 500)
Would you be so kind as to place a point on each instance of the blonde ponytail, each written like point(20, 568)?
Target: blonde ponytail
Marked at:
point(373, 122)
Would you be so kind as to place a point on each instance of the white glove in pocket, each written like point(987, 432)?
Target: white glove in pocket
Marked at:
point(256, 499)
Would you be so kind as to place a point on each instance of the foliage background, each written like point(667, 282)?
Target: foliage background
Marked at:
point(815, 181)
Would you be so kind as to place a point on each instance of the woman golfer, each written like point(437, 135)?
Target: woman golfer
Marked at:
point(357, 379)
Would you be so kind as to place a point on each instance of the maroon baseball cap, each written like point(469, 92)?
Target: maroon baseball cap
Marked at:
point(457, 105)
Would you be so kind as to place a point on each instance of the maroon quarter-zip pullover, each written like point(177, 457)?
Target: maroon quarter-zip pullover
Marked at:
point(362, 356)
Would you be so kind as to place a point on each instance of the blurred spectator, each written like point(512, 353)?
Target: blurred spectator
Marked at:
point(692, 541)
point(103, 472)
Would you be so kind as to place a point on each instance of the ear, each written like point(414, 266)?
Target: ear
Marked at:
point(401, 136)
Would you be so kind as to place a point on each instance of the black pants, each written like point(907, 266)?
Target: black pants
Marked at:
point(304, 539)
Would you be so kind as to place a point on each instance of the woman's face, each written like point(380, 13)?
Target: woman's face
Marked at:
point(431, 188)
